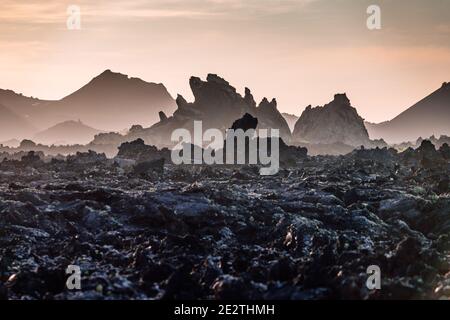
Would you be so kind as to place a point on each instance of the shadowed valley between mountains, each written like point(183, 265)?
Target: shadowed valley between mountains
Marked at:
point(291, 120)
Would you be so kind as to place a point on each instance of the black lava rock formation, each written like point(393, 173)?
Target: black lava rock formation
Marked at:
point(217, 104)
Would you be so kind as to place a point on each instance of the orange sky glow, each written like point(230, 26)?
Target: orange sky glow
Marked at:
point(301, 52)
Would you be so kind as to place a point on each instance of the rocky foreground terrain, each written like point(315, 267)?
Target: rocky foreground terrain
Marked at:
point(190, 232)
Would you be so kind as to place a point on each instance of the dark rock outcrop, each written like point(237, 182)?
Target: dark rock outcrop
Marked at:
point(426, 156)
point(217, 104)
point(445, 151)
point(31, 159)
point(289, 155)
point(162, 116)
point(336, 122)
point(140, 159)
point(84, 158)
point(245, 123)
point(138, 151)
point(148, 167)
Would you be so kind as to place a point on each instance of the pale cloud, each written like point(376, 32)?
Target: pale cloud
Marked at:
point(37, 11)
point(403, 20)
point(30, 12)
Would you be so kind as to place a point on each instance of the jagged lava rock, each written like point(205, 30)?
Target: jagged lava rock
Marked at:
point(425, 156)
point(138, 151)
point(336, 122)
point(217, 104)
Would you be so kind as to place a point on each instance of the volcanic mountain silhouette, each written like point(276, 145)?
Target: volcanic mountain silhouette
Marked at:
point(66, 133)
point(110, 101)
point(430, 116)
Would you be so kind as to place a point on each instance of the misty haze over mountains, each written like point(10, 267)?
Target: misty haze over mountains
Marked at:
point(13, 125)
point(255, 151)
point(110, 102)
point(66, 133)
point(291, 120)
point(430, 116)
point(113, 102)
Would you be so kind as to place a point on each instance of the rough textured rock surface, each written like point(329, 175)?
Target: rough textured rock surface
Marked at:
point(217, 104)
point(220, 232)
point(138, 151)
point(336, 122)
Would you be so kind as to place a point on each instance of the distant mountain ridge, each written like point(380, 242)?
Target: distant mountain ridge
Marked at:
point(110, 101)
point(430, 116)
point(66, 133)
point(113, 101)
point(20, 104)
point(13, 125)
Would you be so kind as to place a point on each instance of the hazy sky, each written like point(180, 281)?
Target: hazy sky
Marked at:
point(299, 51)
